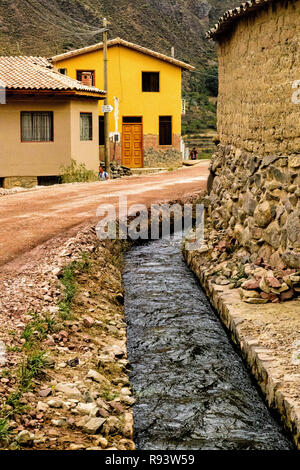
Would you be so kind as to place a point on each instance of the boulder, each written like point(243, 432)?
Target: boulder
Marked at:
point(291, 259)
point(25, 438)
point(97, 377)
point(69, 390)
point(88, 322)
point(262, 214)
point(93, 425)
point(87, 409)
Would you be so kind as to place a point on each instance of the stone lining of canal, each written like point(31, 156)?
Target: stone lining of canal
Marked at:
point(192, 388)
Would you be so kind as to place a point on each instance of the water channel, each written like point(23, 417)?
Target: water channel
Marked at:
point(193, 390)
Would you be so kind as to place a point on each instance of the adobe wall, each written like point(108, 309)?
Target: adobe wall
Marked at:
point(254, 186)
point(258, 62)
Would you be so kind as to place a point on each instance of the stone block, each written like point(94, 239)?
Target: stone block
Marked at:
point(20, 181)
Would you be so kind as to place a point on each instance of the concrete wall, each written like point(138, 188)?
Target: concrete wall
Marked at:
point(125, 68)
point(85, 152)
point(258, 61)
point(31, 159)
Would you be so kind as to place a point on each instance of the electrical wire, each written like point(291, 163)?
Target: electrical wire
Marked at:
point(86, 29)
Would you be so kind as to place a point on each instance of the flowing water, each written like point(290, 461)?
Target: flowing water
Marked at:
point(193, 390)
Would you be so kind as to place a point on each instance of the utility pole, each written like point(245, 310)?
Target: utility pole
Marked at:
point(106, 114)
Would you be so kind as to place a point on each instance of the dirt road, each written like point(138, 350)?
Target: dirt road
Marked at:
point(30, 218)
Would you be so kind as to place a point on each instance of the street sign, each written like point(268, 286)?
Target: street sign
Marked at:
point(107, 108)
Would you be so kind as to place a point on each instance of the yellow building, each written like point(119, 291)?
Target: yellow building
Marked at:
point(144, 88)
point(46, 120)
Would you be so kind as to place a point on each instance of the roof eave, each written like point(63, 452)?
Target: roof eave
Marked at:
point(231, 16)
point(59, 92)
point(123, 43)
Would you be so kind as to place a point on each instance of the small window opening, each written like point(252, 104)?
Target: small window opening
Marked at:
point(101, 131)
point(165, 130)
point(150, 81)
point(132, 119)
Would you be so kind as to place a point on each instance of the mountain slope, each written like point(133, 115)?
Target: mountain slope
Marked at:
point(40, 27)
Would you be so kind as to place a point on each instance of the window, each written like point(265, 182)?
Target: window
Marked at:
point(132, 120)
point(86, 126)
point(37, 126)
point(150, 81)
point(87, 77)
point(165, 130)
point(101, 130)
point(63, 71)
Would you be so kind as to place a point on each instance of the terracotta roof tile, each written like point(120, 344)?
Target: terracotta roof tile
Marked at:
point(37, 73)
point(130, 45)
point(225, 22)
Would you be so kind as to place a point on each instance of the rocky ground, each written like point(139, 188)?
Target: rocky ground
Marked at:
point(63, 363)
point(118, 171)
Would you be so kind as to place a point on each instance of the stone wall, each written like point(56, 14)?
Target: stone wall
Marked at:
point(259, 60)
point(17, 181)
point(169, 158)
point(156, 156)
point(256, 200)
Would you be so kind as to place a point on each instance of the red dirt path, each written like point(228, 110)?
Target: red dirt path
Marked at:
point(30, 218)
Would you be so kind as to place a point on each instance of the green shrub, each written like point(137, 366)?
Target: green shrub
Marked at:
point(4, 429)
point(32, 367)
point(77, 173)
point(68, 280)
point(37, 329)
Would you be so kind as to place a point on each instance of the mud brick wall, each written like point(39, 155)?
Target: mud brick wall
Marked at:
point(259, 59)
point(254, 186)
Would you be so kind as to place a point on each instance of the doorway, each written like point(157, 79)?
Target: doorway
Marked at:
point(132, 142)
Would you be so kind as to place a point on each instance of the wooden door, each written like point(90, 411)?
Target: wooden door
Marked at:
point(132, 145)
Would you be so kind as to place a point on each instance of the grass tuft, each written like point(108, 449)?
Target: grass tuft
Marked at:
point(37, 329)
point(32, 367)
point(77, 173)
point(4, 429)
point(68, 280)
